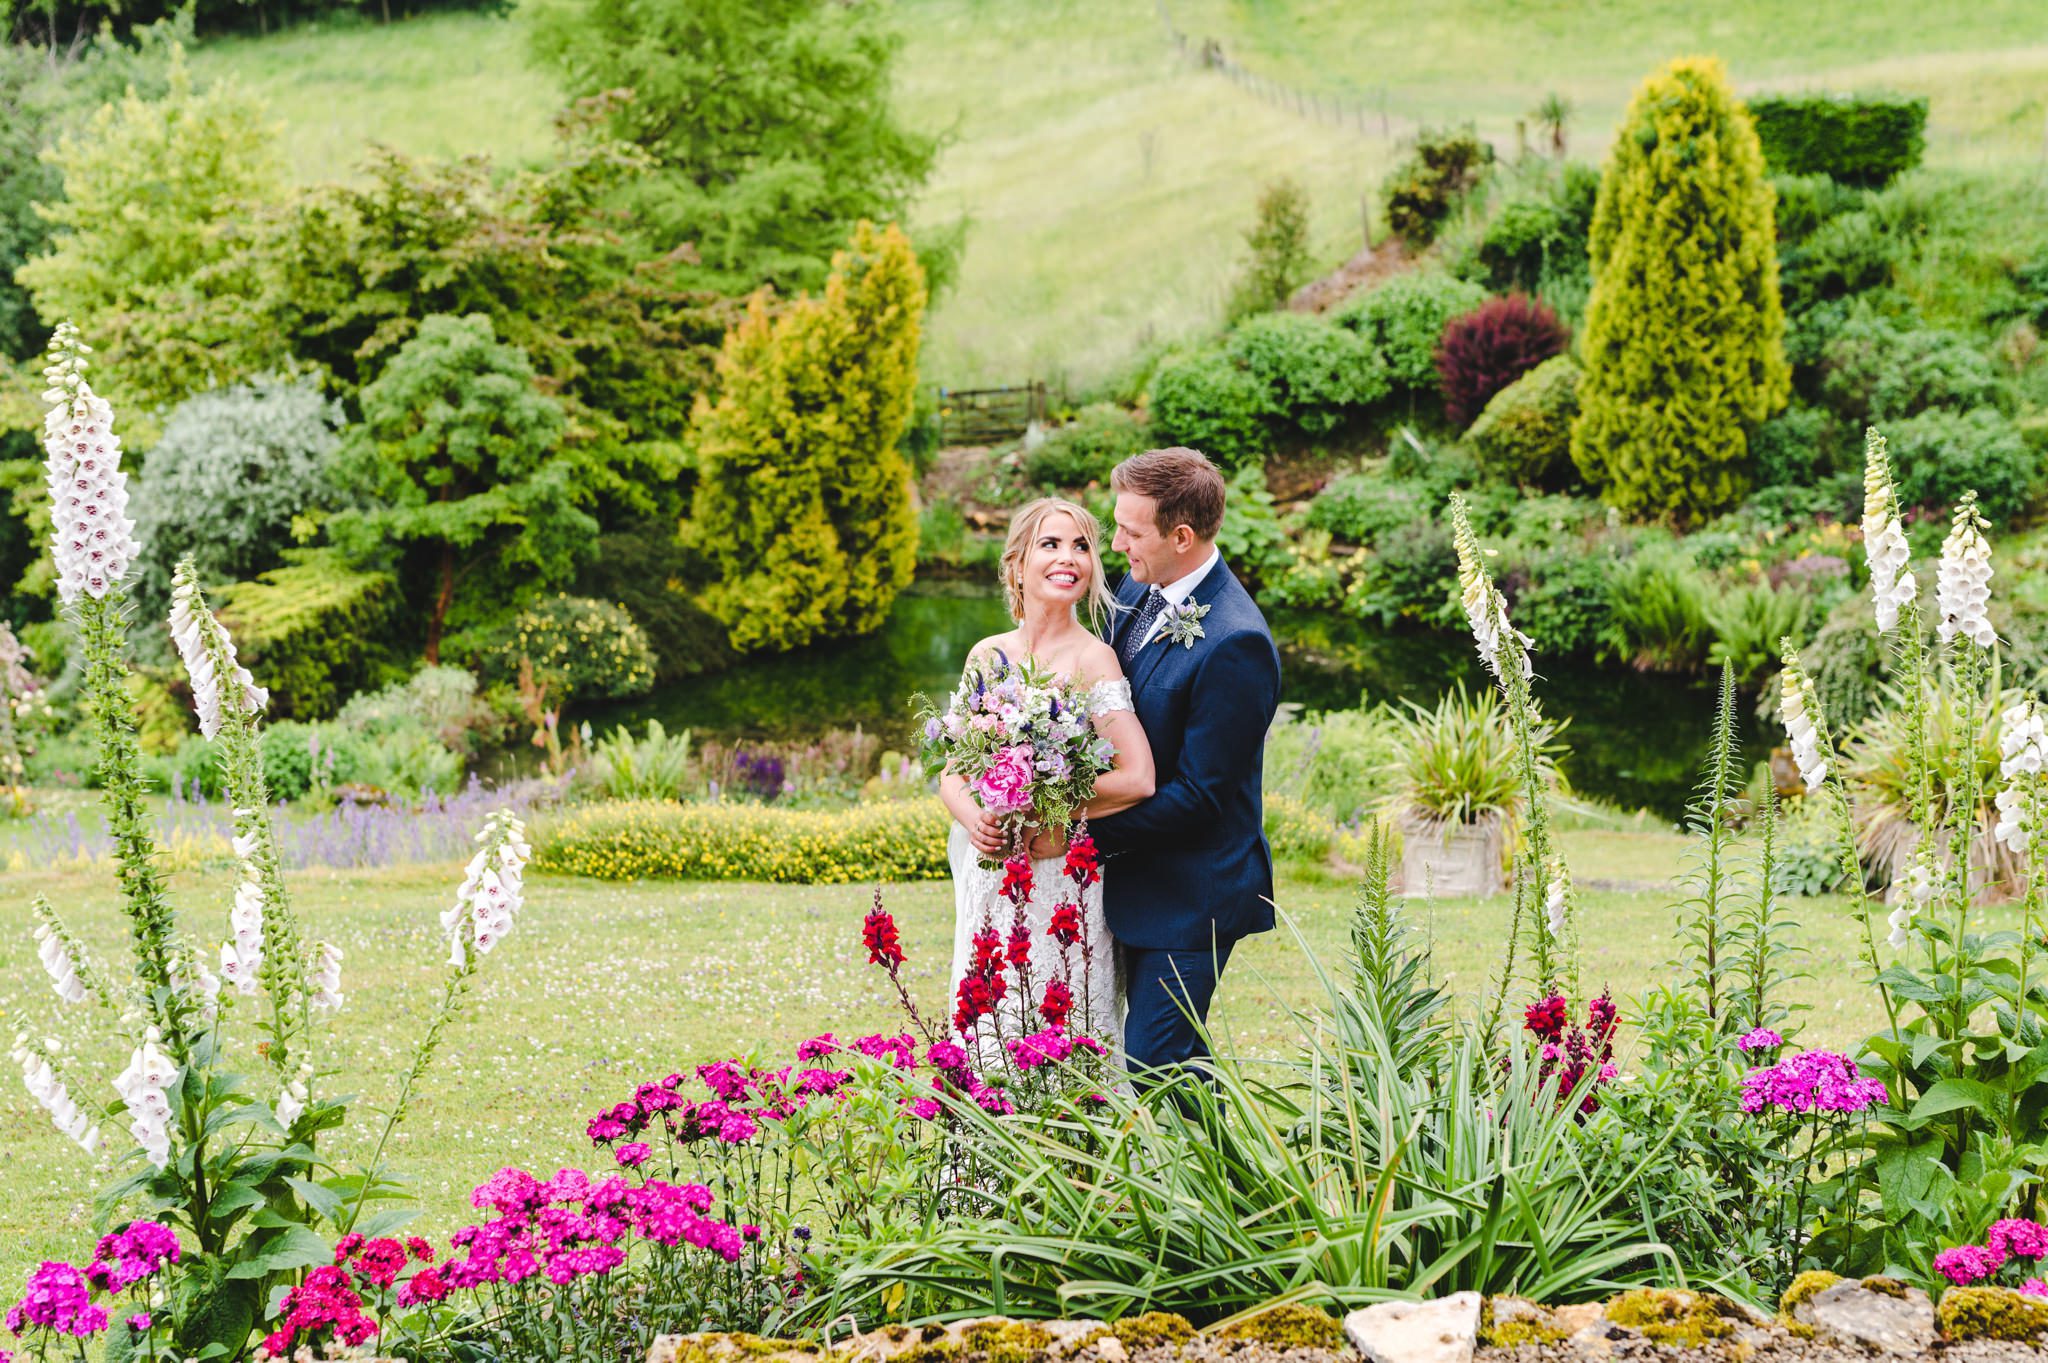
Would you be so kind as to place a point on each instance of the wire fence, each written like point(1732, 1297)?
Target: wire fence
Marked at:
point(1369, 118)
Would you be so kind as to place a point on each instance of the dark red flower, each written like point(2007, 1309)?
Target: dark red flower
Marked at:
point(878, 935)
point(1065, 927)
point(1017, 879)
point(1019, 952)
point(1058, 1003)
point(1547, 1019)
point(1082, 866)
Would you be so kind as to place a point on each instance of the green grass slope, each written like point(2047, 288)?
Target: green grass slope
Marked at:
point(1106, 179)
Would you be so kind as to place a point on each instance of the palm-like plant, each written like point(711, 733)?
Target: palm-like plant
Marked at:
point(1456, 762)
point(1878, 764)
point(650, 768)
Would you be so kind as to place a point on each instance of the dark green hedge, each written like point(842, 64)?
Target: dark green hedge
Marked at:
point(1858, 140)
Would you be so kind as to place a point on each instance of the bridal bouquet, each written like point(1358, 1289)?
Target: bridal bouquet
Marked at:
point(1023, 740)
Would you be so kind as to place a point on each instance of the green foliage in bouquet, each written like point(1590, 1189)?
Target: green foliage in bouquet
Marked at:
point(1684, 337)
point(803, 494)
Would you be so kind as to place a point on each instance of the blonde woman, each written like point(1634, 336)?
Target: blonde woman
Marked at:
point(1053, 583)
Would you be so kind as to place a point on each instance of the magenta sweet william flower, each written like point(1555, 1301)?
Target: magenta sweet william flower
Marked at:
point(603, 1130)
point(1005, 788)
point(58, 1298)
point(2034, 1287)
point(924, 1109)
point(821, 1045)
point(1759, 1039)
point(1967, 1264)
point(1812, 1081)
point(139, 1321)
point(423, 1287)
point(945, 1055)
point(2018, 1238)
point(632, 1156)
point(125, 1257)
point(737, 1129)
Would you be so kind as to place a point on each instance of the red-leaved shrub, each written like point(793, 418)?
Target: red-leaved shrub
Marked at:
point(1489, 348)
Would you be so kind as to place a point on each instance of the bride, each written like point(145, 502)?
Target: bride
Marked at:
point(1051, 565)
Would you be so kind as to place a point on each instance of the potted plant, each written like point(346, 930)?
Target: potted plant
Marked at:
point(1458, 791)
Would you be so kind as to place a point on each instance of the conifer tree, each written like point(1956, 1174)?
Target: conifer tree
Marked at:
point(803, 496)
point(1684, 344)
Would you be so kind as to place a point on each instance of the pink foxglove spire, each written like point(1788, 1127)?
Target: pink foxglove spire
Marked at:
point(94, 541)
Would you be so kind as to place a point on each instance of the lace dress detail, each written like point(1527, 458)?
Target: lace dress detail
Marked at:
point(1090, 965)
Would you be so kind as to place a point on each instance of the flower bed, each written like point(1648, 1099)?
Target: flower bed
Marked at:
point(903, 840)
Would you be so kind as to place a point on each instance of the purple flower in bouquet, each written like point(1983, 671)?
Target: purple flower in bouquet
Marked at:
point(1005, 788)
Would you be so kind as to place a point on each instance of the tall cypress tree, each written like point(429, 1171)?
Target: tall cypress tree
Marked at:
point(1684, 344)
point(803, 494)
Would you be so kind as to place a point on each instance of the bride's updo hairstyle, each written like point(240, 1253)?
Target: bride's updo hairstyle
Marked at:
point(1024, 529)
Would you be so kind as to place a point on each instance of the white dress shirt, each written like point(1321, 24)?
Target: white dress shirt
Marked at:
point(1180, 589)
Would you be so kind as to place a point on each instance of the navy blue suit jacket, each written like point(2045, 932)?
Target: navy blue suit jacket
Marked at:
point(1191, 864)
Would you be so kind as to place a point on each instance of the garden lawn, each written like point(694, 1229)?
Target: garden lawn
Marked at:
point(604, 985)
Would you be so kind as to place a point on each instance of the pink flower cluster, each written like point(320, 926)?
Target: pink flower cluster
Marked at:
point(1759, 1039)
point(2013, 1239)
point(325, 1301)
point(58, 1299)
point(126, 1257)
point(1049, 1047)
point(1812, 1081)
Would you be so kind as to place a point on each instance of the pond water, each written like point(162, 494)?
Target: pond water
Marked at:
point(1636, 739)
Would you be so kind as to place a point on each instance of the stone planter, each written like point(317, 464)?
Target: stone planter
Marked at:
point(1445, 860)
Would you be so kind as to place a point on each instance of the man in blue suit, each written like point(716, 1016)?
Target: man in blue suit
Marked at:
point(1187, 872)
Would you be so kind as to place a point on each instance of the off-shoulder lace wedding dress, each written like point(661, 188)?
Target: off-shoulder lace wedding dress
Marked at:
point(1090, 963)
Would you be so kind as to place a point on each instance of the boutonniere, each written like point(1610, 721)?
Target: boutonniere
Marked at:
point(1183, 623)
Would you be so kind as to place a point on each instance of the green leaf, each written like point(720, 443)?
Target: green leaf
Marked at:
point(1954, 1095)
point(297, 1246)
point(323, 1200)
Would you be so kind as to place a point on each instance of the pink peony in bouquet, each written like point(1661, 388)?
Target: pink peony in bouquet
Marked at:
point(1023, 739)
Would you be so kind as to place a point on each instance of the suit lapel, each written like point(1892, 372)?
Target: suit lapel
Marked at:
point(1204, 594)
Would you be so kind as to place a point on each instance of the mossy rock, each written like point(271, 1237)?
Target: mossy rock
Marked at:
point(992, 1341)
point(1671, 1316)
point(1885, 1287)
point(1289, 1327)
point(1507, 1322)
point(1153, 1330)
point(730, 1348)
point(1805, 1288)
point(1968, 1313)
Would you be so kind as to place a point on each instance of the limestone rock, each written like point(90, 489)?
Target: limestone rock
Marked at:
point(1899, 1321)
point(1445, 1330)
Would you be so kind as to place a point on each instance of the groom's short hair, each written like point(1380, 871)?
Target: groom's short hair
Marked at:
point(1181, 482)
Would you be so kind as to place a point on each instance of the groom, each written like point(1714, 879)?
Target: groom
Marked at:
point(1191, 872)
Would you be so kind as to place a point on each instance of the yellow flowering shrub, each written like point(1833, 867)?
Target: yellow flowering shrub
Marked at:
point(648, 840)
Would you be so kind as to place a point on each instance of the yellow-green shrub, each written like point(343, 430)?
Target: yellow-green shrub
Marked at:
point(1684, 344)
point(903, 840)
point(803, 494)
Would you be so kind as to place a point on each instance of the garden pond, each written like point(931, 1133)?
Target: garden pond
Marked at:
point(1636, 739)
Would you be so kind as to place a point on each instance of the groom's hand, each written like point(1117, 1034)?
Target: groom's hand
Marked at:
point(986, 833)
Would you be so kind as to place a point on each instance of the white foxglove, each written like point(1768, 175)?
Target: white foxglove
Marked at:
point(144, 1086)
point(190, 977)
point(93, 540)
point(55, 954)
point(44, 1085)
point(2022, 740)
point(1486, 610)
point(1892, 584)
point(491, 892)
point(2013, 828)
point(1555, 899)
point(1799, 709)
point(246, 919)
point(291, 1103)
point(324, 978)
point(1962, 584)
point(203, 643)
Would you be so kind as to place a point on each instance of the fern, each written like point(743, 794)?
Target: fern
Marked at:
point(1702, 928)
